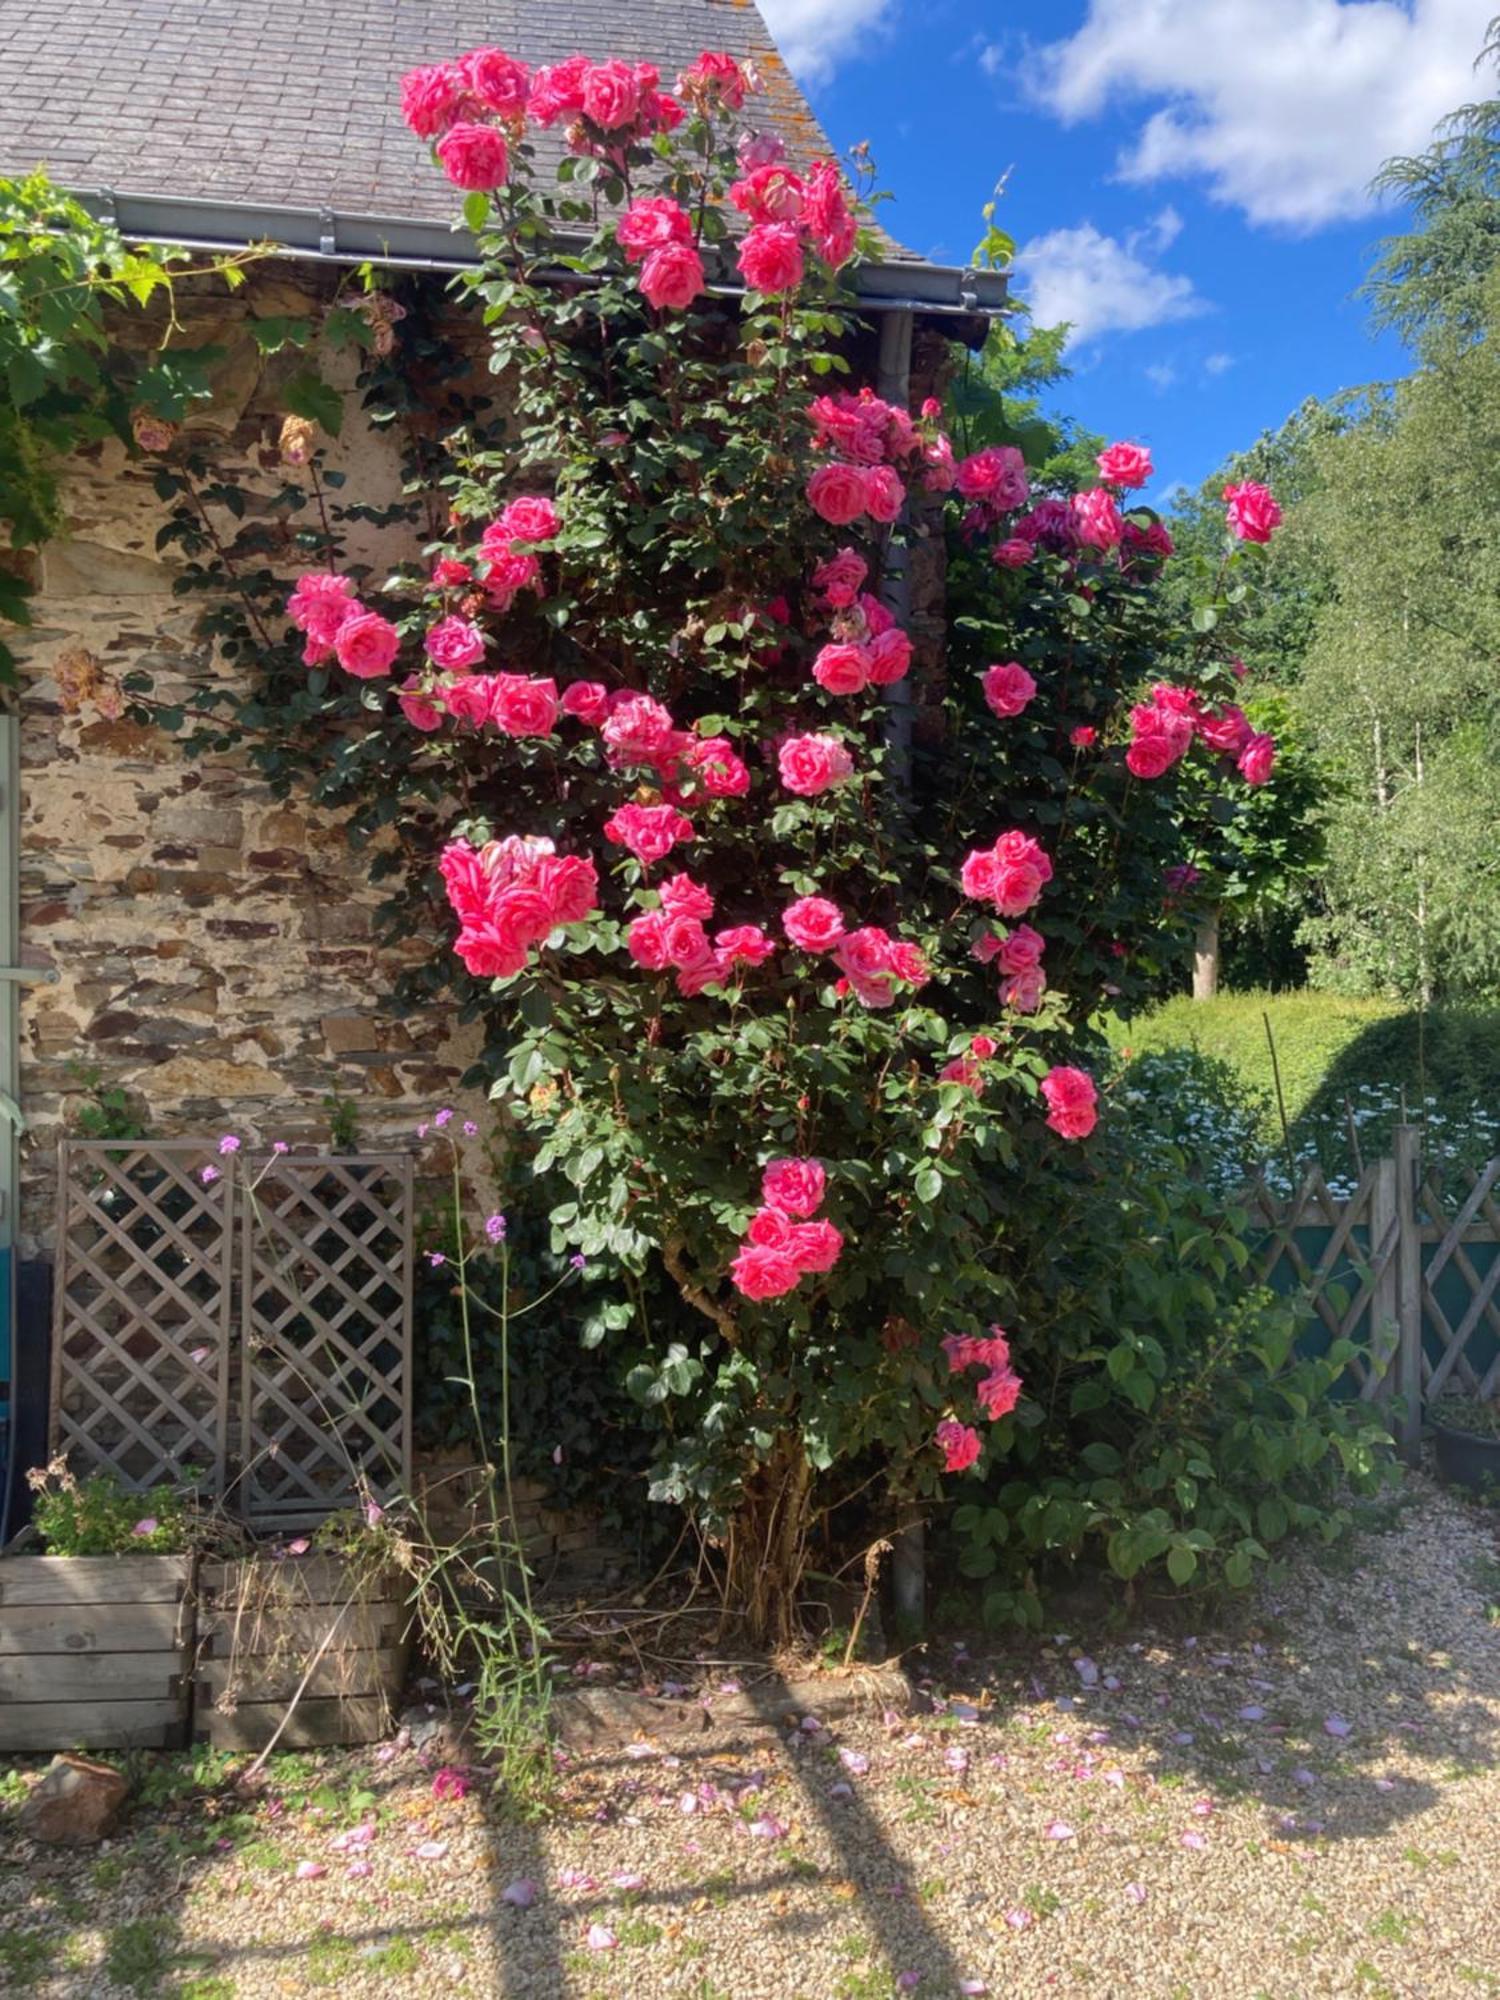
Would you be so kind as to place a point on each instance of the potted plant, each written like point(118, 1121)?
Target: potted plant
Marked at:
point(96, 1617)
point(1466, 1431)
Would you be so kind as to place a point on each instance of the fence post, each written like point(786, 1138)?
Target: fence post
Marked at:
point(1385, 1298)
point(1408, 1143)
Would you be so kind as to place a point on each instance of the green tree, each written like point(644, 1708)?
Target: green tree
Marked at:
point(1000, 396)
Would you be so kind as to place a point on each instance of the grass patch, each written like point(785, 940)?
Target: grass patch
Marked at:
point(25, 1960)
point(138, 1955)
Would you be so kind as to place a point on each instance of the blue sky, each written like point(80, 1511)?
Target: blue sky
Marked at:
point(1187, 178)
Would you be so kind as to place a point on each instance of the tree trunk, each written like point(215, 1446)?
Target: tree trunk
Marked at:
point(766, 1548)
point(1206, 955)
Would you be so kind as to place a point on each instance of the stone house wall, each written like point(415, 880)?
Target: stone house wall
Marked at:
point(213, 945)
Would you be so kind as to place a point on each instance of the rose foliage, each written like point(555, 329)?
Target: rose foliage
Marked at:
point(787, 929)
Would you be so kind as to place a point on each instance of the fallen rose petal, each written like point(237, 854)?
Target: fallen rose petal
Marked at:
point(575, 1878)
point(600, 1938)
point(520, 1894)
point(1057, 1829)
point(361, 1867)
point(768, 1828)
point(310, 1871)
point(1134, 1893)
point(973, 1989)
point(431, 1850)
point(688, 1803)
point(841, 1791)
point(1335, 1725)
point(1087, 1672)
point(628, 1880)
point(1202, 1807)
point(1019, 1920)
point(1252, 1712)
point(908, 1982)
point(855, 1761)
point(1193, 1840)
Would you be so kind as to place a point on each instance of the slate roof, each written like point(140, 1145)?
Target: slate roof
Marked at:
point(291, 105)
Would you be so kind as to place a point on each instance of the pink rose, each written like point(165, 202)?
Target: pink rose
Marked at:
point(672, 277)
point(758, 1273)
point(520, 917)
point(999, 1392)
point(865, 955)
point(506, 575)
point(1096, 519)
point(890, 657)
point(743, 944)
point(828, 217)
point(611, 95)
point(1228, 731)
point(681, 896)
point(468, 700)
point(1072, 1102)
point(455, 645)
point(650, 832)
point(586, 701)
point(770, 258)
point(1022, 871)
point(837, 493)
point(940, 468)
point(717, 73)
point(1083, 737)
point(557, 90)
point(718, 767)
point(771, 1228)
point(885, 495)
point(1251, 513)
point(959, 1444)
point(809, 765)
point(366, 645)
point(1021, 950)
point(430, 96)
point(815, 1246)
point(637, 729)
point(704, 969)
point(570, 884)
point(420, 710)
point(1125, 465)
point(794, 1186)
point(1013, 554)
point(448, 572)
point(646, 940)
point(485, 956)
point(813, 923)
point(839, 580)
point(842, 669)
point(684, 940)
point(1024, 990)
point(501, 84)
point(652, 223)
point(321, 604)
point(530, 517)
point(769, 193)
point(474, 157)
point(996, 475)
point(522, 706)
point(966, 1074)
point(1008, 689)
point(1257, 759)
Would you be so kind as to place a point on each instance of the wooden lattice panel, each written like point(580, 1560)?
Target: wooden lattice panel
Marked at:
point(326, 1333)
point(142, 1312)
point(1451, 1224)
point(1358, 1256)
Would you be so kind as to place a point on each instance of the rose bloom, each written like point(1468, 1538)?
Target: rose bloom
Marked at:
point(1072, 1102)
point(959, 1444)
point(720, 770)
point(771, 259)
point(1008, 689)
point(832, 224)
point(796, 1187)
point(652, 222)
point(695, 975)
point(430, 96)
point(809, 765)
point(586, 701)
point(838, 580)
point(570, 883)
point(455, 645)
point(1258, 759)
point(1013, 554)
point(1228, 731)
point(771, 1228)
point(997, 475)
point(1096, 519)
point(1125, 465)
point(837, 493)
point(1251, 513)
point(759, 149)
point(530, 517)
point(842, 669)
point(813, 923)
point(1021, 950)
point(770, 192)
point(448, 572)
point(637, 728)
point(999, 1393)
point(1083, 737)
point(718, 72)
point(672, 277)
point(611, 95)
point(890, 657)
point(366, 645)
point(962, 1071)
point(420, 710)
point(758, 1273)
point(509, 574)
point(885, 495)
point(865, 955)
point(815, 1246)
point(1151, 754)
point(557, 90)
point(499, 82)
point(650, 832)
point(468, 700)
point(1024, 990)
point(940, 468)
point(522, 706)
point(681, 896)
point(684, 939)
point(474, 157)
point(646, 940)
point(743, 944)
point(1022, 871)
point(321, 603)
point(909, 962)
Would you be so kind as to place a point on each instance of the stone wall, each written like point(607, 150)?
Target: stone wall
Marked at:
point(213, 945)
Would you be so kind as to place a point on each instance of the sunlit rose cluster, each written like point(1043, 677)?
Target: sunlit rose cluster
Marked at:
point(784, 1243)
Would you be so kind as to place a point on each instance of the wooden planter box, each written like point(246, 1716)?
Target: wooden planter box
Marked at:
point(264, 1625)
point(95, 1652)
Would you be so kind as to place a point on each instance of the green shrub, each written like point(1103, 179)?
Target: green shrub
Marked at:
point(97, 1516)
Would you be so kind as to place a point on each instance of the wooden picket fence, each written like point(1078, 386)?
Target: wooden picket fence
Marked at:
point(246, 1318)
point(1406, 1264)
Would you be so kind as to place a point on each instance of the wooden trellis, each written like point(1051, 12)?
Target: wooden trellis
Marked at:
point(253, 1328)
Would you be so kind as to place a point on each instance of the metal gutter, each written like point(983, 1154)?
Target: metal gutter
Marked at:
point(339, 236)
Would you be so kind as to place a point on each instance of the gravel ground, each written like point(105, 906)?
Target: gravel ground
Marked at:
point(1303, 1804)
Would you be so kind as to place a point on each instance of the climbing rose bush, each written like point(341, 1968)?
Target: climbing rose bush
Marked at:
point(787, 937)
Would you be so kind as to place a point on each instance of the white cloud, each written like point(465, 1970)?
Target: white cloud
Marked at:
point(1161, 375)
point(1103, 284)
point(815, 35)
point(1217, 364)
point(1284, 107)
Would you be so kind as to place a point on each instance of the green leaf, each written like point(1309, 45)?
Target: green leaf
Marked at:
point(1182, 1564)
point(307, 395)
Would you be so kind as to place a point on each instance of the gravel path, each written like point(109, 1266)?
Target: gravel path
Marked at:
point(1305, 1804)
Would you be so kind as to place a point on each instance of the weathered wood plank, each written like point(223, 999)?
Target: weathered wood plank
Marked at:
point(301, 1630)
point(37, 1630)
point(305, 1579)
point(86, 1580)
point(92, 1725)
point(85, 1677)
point(362, 1672)
point(252, 1724)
